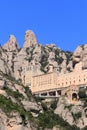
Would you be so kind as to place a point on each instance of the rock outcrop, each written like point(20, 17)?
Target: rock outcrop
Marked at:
point(11, 45)
point(16, 103)
point(73, 114)
point(17, 61)
point(14, 123)
point(29, 39)
point(80, 57)
point(35, 59)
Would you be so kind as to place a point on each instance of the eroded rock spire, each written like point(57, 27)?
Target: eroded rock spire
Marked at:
point(29, 39)
point(12, 44)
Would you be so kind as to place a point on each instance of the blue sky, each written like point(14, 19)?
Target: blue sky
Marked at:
point(63, 22)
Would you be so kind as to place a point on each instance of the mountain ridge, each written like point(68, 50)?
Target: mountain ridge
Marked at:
point(17, 101)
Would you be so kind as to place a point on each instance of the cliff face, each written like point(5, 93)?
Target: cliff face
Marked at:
point(73, 114)
point(80, 56)
point(16, 60)
point(13, 123)
point(18, 107)
point(33, 54)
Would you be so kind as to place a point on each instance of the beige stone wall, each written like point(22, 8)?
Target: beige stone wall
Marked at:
point(74, 78)
point(43, 82)
point(28, 78)
point(52, 80)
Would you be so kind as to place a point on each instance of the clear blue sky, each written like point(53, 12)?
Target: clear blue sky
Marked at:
point(63, 22)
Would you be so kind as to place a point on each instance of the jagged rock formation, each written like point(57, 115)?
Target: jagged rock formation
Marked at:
point(30, 39)
point(13, 123)
point(15, 62)
point(8, 53)
point(12, 44)
point(75, 115)
point(80, 57)
point(33, 54)
point(41, 57)
point(16, 105)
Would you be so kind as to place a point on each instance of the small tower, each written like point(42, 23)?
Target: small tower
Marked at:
point(50, 68)
point(28, 75)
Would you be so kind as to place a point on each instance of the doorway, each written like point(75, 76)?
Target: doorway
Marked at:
point(74, 96)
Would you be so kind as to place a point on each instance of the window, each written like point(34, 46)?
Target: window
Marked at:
point(52, 93)
point(59, 92)
point(79, 80)
point(62, 84)
point(44, 94)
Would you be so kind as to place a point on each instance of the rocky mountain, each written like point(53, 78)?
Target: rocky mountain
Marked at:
point(33, 54)
point(19, 109)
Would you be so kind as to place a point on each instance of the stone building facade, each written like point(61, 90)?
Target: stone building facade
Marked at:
point(53, 84)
